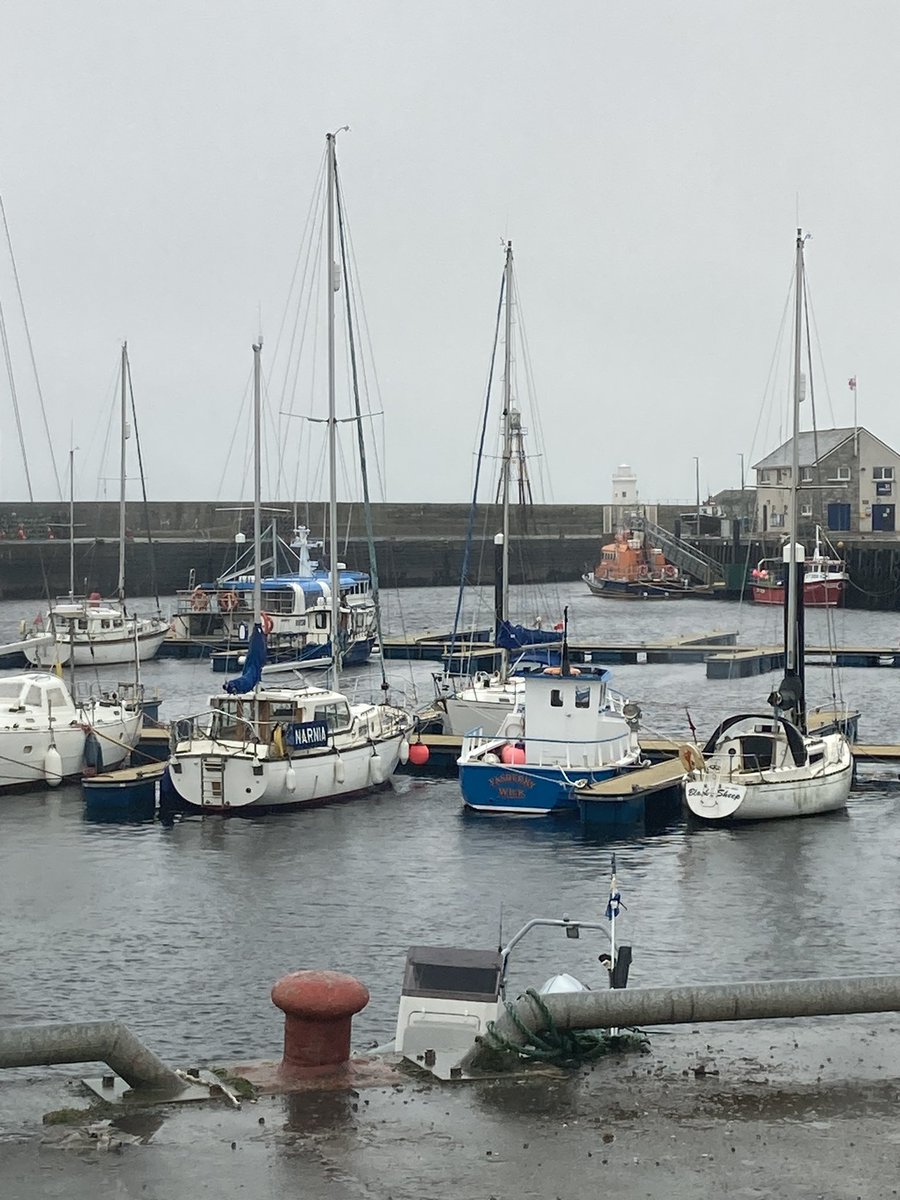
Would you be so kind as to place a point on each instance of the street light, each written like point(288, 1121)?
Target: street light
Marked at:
point(697, 473)
point(741, 457)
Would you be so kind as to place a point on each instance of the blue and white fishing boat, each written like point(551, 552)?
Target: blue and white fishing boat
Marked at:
point(576, 732)
point(297, 610)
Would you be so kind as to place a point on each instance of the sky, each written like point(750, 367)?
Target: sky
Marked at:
point(649, 160)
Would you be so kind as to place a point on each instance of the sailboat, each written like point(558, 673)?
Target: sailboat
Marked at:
point(263, 747)
point(486, 699)
point(87, 630)
point(757, 767)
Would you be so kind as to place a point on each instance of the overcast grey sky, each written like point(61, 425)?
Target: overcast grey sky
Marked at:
point(157, 160)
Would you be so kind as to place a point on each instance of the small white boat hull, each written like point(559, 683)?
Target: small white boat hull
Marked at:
point(773, 796)
point(216, 777)
point(97, 650)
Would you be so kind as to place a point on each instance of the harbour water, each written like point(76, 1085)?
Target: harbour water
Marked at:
point(180, 930)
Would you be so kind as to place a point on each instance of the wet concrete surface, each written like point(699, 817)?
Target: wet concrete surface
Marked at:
point(789, 1109)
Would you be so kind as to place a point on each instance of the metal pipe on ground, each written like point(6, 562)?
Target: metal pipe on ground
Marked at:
point(90, 1041)
point(685, 1005)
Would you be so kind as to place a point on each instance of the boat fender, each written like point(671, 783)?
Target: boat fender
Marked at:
point(490, 758)
point(92, 755)
point(404, 752)
point(53, 767)
point(290, 779)
point(690, 757)
point(339, 771)
point(22, 627)
point(376, 768)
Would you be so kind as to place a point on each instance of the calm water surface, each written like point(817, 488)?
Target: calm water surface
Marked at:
point(181, 931)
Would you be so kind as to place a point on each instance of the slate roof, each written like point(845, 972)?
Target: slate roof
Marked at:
point(825, 441)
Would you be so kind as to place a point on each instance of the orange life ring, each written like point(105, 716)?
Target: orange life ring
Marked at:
point(228, 601)
point(670, 571)
point(266, 621)
point(199, 600)
point(643, 573)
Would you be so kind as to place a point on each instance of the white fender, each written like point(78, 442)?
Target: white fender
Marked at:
point(404, 752)
point(290, 779)
point(53, 767)
point(376, 768)
point(339, 772)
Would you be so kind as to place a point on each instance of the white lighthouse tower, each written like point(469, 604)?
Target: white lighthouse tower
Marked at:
point(624, 487)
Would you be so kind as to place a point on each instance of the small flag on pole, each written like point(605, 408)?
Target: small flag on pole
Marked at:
point(851, 384)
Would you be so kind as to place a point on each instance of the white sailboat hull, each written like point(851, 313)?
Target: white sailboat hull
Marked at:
point(96, 652)
point(26, 757)
point(222, 777)
point(771, 795)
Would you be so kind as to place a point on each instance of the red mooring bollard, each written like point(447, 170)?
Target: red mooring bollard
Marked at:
point(318, 1009)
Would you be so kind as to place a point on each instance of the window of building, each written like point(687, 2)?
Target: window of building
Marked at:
point(776, 520)
point(784, 475)
point(839, 474)
point(764, 476)
point(805, 510)
point(806, 475)
point(882, 472)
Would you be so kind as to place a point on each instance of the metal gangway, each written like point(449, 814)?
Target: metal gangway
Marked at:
point(688, 559)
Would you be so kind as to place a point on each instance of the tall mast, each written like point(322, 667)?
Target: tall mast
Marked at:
point(506, 463)
point(331, 286)
point(123, 438)
point(72, 523)
point(791, 648)
point(257, 484)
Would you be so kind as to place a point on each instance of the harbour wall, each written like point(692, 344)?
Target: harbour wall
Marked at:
point(417, 545)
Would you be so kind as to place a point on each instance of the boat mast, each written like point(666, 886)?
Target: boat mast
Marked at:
point(123, 438)
point(72, 523)
point(332, 283)
point(257, 484)
point(506, 463)
point(791, 647)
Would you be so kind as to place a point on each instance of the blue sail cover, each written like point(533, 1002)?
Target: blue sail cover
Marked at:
point(514, 637)
point(253, 665)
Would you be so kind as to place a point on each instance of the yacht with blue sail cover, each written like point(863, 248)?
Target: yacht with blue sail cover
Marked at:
point(568, 730)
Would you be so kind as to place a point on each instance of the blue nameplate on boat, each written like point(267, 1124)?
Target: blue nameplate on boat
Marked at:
point(307, 735)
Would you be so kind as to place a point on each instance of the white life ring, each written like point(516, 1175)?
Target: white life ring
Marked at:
point(266, 621)
point(690, 757)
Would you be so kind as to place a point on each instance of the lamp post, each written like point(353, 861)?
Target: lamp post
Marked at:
point(741, 457)
point(697, 475)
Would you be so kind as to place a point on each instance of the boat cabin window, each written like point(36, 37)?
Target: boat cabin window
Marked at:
point(104, 624)
point(582, 697)
point(556, 700)
point(56, 697)
point(281, 710)
point(33, 696)
point(10, 691)
point(321, 620)
point(757, 752)
point(82, 626)
point(336, 716)
point(231, 717)
point(432, 978)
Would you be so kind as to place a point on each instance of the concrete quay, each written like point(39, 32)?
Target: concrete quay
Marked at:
point(798, 1110)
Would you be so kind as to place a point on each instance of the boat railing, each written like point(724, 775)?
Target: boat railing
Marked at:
point(475, 743)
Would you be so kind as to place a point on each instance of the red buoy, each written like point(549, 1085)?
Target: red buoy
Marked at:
point(419, 754)
point(512, 754)
point(318, 1009)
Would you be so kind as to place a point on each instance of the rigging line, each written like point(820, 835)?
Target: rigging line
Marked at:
point(303, 254)
point(812, 392)
point(362, 322)
point(146, 506)
point(304, 304)
point(772, 363)
point(473, 508)
point(360, 434)
point(235, 429)
point(811, 314)
point(37, 381)
point(534, 412)
point(15, 401)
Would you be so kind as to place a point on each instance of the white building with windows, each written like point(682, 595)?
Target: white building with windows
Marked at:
point(848, 481)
